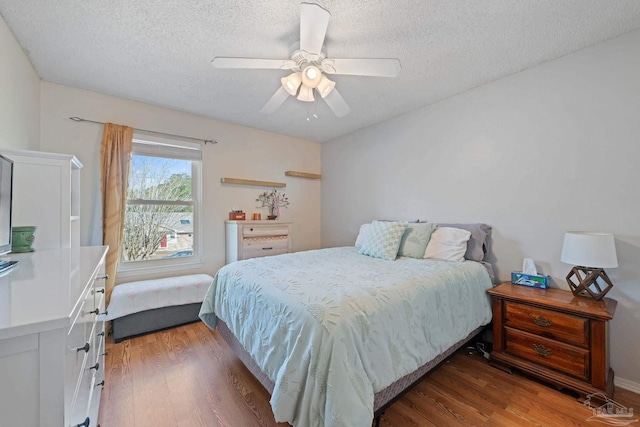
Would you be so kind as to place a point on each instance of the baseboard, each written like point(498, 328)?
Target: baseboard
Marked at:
point(627, 384)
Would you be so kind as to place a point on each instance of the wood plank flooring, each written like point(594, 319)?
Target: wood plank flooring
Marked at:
point(188, 376)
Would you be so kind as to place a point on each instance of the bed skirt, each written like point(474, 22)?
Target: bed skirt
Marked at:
point(382, 399)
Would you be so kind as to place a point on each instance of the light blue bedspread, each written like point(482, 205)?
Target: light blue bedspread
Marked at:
point(331, 327)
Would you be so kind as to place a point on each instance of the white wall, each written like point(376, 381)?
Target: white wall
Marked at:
point(19, 95)
point(241, 152)
point(547, 150)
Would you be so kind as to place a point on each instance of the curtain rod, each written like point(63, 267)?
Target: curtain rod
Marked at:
point(212, 141)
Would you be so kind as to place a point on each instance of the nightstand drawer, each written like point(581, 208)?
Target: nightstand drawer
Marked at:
point(550, 324)
point(552, 354)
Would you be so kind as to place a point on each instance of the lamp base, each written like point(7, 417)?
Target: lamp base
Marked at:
point(583, 282)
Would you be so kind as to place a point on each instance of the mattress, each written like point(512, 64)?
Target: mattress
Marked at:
point(331, 328)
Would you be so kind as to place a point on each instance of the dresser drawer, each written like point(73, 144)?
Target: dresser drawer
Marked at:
point(260, 252)
point(556, 355)
point(273, 242)
point(252, 239)
point(550, 324)
point(255, 247)
point(258, 231)
point(80, 406)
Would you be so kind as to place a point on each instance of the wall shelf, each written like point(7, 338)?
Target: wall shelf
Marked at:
point(303, 175)
point(252, 182)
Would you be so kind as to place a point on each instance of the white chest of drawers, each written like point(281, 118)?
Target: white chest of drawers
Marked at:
point(252, 239)
point(51, 338)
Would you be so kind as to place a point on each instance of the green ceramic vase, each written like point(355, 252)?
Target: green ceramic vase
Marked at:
point(22, 238)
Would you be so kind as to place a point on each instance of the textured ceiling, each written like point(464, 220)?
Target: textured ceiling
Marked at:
point(159, 51)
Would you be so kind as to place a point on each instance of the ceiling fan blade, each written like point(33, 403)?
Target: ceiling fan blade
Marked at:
point(313, 27)
point(276, 101)
point(278, 64)
point(384, 67)
point(337, 103)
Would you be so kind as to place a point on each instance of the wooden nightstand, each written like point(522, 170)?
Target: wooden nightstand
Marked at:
point(552, 335)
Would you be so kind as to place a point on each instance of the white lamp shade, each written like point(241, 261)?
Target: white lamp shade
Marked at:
point(306, 94)
point(589, 249)
point(291, 83)
point(311, 76)
point(325, 86)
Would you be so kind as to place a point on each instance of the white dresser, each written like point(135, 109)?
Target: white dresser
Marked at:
point(252, 239)
point(51, 338)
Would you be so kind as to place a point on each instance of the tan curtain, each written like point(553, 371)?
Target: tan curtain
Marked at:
point(115, 159)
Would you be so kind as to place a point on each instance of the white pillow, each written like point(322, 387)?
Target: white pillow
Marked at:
point(448, 244)
point(362, 234)
point(383, 239)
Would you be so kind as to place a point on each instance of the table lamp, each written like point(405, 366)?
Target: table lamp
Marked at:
point(590, 253)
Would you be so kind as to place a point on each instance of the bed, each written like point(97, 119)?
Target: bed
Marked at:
point(335, 336)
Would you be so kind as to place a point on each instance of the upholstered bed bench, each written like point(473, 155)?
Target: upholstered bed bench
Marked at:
point(151, 305)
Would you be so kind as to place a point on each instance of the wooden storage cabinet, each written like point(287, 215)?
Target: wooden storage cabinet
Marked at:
point(253, 239)
point(550, 334)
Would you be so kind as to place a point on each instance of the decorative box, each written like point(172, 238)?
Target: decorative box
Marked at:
point(518, 278)
point(238, 216)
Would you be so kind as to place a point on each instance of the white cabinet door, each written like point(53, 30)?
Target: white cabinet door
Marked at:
point(20, 381)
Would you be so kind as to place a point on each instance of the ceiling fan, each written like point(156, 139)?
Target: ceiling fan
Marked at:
point(310, 66)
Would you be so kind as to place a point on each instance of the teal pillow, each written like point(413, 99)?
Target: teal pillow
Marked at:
point(415, 239)
point(383, 239)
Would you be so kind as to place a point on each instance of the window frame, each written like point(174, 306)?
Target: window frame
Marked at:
point(155, 146)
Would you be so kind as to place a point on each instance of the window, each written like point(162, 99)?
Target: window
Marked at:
point(161, 219)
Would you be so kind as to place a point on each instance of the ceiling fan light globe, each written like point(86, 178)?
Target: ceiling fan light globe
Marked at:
point(325, 86)
point(306, 94)
point(311, 76)
point(291, 83)
point(311, 73)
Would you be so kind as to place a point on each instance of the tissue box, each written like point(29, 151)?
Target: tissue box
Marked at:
point(518, 278)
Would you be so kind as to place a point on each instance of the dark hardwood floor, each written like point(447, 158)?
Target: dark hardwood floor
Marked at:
point(188, 376)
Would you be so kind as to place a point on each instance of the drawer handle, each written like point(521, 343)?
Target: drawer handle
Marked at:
point(96, 311)
point(100, 384)
point(96, 367)
point(105, 353)
point(541, 350)
point(267, 249)
point(86, 423)
point(541, 321)
point(105, 277)
point(99, 291)
point(101, 334)
point(85, 347)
